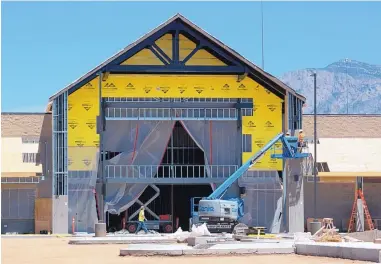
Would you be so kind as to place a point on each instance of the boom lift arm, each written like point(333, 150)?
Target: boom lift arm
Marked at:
point(222, 215)
point(289, 151)
point(219, 192)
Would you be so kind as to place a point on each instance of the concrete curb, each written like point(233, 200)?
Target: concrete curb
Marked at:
point(203, 252)
point(217, 250)
point(354, 251)
point(120, 240)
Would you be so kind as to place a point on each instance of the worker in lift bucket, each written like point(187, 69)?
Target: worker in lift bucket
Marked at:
point(141, 219)
point(301, 140)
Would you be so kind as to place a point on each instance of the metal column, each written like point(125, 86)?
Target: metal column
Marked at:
point(101, 154)
point(172, 209)
point(315, 151)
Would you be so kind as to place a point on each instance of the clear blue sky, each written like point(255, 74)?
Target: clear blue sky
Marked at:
point(47, 45)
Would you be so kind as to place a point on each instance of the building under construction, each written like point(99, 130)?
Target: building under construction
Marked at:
point(168, 118)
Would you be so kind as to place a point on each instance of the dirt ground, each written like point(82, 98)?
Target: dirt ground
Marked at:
point(58, 251)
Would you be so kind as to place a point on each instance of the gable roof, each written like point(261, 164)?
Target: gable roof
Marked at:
point(273, 81)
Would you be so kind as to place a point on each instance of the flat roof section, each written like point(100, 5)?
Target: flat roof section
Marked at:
point(22, 124)
point(350, 155)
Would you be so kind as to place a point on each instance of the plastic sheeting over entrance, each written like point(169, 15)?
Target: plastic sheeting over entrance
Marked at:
point(220, 142)
point(81, 188)
point(263, 199)
point(145, 142)
point(140, 143)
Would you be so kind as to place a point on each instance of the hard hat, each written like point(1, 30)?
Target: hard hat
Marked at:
point(301, 130)
point(142, 207)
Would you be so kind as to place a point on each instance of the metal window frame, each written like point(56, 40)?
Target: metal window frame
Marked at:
point(295, 106)
point(171, 114)
point(247, 143)
point(29, 157)
point(183, 99)
point(11, 180)
point(30, 139)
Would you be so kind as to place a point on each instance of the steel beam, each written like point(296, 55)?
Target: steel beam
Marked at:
point(174, 69)
point(175, 118)
point(190, 55)
point(161, 52)
point(205, 43)
point(158, 55)
point(184, 104)
point(176, 54)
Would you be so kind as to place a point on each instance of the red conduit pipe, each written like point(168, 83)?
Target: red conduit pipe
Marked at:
point(73, 226)
point(96, 203)
point(135, 142)
point(210, 142)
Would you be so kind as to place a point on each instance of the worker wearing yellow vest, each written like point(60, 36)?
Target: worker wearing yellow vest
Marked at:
point(141, 219)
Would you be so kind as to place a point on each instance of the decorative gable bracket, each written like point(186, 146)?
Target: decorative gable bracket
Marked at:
point(174, 64)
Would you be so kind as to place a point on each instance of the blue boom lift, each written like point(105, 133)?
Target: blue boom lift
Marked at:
point(222, 215)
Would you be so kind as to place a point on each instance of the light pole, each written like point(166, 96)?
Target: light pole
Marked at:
point(315, 225)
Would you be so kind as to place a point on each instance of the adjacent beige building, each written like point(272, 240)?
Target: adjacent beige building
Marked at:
point(25, 170)
point(348, 147)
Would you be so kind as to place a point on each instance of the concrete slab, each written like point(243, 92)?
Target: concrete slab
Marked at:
point(121, 240)
point(193, 241)
point(154, 250)
point(366, 236)
point(364, 251)
point(217, 249)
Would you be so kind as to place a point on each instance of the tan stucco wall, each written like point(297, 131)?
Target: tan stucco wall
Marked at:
point(11, 158)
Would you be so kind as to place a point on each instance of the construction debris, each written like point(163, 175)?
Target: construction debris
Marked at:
point(120, 232)
point(200, 230)
point(351, 239)
point(328, 233)
point(180, 235)
point(331, 236)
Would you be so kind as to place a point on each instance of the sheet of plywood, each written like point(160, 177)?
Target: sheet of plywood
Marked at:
point(43, 214)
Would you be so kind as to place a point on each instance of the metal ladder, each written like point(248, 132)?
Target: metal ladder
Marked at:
point(368, 218)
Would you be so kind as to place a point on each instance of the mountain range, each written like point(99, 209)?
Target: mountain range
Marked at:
point(343, 87)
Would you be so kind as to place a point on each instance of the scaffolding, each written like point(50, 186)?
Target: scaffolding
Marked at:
point(60, 156)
